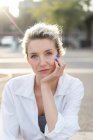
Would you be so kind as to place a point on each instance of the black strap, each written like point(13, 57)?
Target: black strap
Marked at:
point(42, 122)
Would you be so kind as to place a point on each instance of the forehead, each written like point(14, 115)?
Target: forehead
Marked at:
point(38, 45)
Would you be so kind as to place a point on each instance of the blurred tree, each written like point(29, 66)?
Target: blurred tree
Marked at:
point(25, 19)
point(8, 22)
point(4, 21)
point(68, 14)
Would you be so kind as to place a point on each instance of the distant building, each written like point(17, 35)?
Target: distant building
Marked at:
point(28, 4)
point(89, 24)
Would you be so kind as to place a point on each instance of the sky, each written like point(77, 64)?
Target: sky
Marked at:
point(14, 10)
point(13, 6)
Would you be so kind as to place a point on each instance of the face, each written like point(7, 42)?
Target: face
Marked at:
point(41, 56)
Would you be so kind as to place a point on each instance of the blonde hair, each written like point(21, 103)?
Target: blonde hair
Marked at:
point(42, 31)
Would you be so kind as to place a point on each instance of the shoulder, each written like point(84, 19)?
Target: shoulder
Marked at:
point(20, 81)
point(69, 84)
point(71, 80)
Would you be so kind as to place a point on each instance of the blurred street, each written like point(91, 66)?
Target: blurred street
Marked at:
point(79, 63)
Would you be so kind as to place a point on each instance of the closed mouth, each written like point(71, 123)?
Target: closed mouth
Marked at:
point(43, 70)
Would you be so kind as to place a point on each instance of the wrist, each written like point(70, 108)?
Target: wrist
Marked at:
point(45, 86)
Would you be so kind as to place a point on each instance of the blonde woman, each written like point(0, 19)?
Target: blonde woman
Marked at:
point(43, 105)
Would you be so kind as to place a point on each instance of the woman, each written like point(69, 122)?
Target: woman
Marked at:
point(43, 105)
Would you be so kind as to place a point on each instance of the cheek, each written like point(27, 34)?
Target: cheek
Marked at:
point(52, 62)
point(33, 65)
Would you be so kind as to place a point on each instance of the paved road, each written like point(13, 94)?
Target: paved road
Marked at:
point(79, 64)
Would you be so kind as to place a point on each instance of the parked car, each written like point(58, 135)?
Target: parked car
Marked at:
point(7, 41)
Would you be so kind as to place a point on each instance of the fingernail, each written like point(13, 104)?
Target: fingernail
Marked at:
point(57, 55)
point(56, 59)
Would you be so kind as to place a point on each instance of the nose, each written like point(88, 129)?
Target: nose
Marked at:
point(42, 61)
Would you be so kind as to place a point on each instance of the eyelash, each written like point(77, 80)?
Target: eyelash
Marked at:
point(34, 56)
point(49, 53)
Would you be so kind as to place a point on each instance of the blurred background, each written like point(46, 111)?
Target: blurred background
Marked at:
point(75, 17)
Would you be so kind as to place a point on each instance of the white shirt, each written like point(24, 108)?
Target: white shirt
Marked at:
point(20, 114)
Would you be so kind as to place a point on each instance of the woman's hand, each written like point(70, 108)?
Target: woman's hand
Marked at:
point(59, 68)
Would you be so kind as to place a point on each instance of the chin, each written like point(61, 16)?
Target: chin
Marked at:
point(43, 75)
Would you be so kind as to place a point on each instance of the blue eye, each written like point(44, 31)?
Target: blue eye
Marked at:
point(33, 56)
point(49, 53)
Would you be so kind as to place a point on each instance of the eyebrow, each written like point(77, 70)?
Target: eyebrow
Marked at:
point(44, 51)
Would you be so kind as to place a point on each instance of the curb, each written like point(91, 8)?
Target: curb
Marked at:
point(83, 136)
point(5, 77)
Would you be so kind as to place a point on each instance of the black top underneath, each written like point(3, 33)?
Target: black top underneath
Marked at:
point(42, 122)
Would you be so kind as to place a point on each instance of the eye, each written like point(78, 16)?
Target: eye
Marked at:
point(33, 56)
point(49, 53)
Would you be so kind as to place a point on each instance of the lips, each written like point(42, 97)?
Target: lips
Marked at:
point(44, 70)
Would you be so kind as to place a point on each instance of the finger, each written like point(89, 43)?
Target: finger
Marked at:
point(57, 65)
point(61, 69)
point(57, 61)
point(60, 63)
point(58, 70)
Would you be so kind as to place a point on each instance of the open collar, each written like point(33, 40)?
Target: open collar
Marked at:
point(25, 86)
